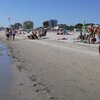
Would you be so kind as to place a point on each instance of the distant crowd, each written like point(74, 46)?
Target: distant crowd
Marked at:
point(10, 34)
point(91, 36)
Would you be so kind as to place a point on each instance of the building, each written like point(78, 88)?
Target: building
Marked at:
point(50, 23)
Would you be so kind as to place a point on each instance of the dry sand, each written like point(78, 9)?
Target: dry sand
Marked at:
point(54, 70)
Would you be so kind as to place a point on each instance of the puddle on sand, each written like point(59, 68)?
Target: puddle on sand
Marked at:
point(5, 74)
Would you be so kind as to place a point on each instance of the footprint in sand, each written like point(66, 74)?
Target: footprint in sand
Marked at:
point(20, 67)
point(52, 98)
point(33, 78)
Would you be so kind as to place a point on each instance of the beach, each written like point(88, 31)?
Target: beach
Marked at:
point(52, 69)
point(5, 74)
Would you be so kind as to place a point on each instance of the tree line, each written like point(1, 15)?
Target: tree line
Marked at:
point(25, 25)
point(30, 25)
point(78, 26)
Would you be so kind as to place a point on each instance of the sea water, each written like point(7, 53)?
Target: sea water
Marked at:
point(5, 74)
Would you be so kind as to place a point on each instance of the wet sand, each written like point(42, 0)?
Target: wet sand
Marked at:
point(5, 74)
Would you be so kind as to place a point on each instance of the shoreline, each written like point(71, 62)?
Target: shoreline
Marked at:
point(25, 86)
point(5, 73)
point(25, 82)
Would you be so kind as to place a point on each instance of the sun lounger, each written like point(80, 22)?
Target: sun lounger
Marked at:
point(43, 34)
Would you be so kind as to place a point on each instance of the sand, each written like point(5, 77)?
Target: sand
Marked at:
point(48, 69)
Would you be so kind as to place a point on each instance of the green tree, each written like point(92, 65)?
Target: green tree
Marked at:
point(88, 24)
point(79, 26)
point(62, 26)
point(28, 25)
point(71, 28)
point(17, 25)
point(46, 24)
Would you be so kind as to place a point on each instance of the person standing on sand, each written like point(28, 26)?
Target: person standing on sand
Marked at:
point(10, 34)
point(90, 30)
point(97, 33)
point(13, 34)
point(7, 34)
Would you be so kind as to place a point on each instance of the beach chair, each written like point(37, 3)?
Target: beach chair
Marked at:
point(43, 34)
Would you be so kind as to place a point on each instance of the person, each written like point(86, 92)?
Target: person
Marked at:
point(90, 31)
point(13, 34)
point(7, 34)
point(10, 34)
point(34, 34)
point(97, 37)
point(81, 36)
point(65, 31)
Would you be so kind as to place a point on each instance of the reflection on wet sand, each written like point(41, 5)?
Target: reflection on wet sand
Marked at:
point(5, 74)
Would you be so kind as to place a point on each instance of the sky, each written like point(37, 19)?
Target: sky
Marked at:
point(68, 12)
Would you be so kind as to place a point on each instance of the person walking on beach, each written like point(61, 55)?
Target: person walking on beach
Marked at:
point(7, 34)
point(13, 34)
point(10, 34)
